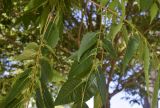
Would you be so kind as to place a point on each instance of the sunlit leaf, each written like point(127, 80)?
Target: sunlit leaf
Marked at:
point(115, 28)
point(97, 101)
point(103, 2)
point(153, 11)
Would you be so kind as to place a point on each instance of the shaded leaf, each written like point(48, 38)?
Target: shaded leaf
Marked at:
point(52, 35)
point(146, 65)
point(109, 47)
point(33, 4)
point(145, 4)
point(78, 105)
point(65, 95)
point(82, 68)
point(39, 99)
point(16, 92)
point(44, 17)
point(101, 83)
point(87, 42)
point(47, 96)
point(130, 51)
point(46, 69)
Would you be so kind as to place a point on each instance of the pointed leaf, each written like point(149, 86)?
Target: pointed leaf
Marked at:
point(115, 28)
point(109, 47)
point(46, 69)
point(33, 4)
point(130, 51)
point(87, 42)
point(153, 11)
point(20, 84)
point(52, 35)
point(146, 65)
point(32, 45)
point(67, 90)
point(82, 68)
point(97, 101)
point(26, 55)
point(101, 83)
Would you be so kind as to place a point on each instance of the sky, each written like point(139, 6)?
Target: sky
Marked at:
point(117, 102)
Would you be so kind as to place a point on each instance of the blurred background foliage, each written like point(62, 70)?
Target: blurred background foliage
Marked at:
point(55, 52)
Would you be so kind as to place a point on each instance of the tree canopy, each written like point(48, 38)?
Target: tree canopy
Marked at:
point(57, 52)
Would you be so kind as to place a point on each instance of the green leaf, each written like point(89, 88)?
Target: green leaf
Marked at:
point(145, 4)
point(103, 2)
point(20, 84)
point(153, 11)
point(109, 47)
point(44, 17)
point(39, 99)
point(32, 45)
point(52, 34)
point(82, 68)
point(77, 105)
point(115, 28)
point(156, 89)
point(47, 96)
point(125, 34)
point(30, 51)
point(146, 65)
point(46, 69)
point(130, 51)
point(57, 77)
point(65, 95)
point(101, 83)
point(27, 54)
point(87, 42)
point(34, 4)
point(97, 101)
